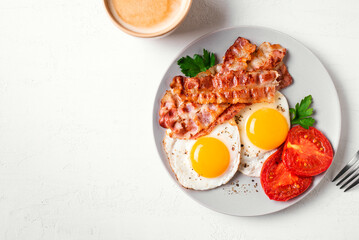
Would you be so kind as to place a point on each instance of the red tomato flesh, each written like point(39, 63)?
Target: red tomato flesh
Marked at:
point(307, 152)
point(278, 183)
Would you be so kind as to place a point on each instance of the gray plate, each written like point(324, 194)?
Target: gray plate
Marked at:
point(243, 196)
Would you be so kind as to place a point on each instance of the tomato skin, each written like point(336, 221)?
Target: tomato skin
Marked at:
point(278, 183)
point(307, 152)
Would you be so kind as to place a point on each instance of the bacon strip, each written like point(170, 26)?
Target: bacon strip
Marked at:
point(234, 87)
point(284, 79)
point(238, 55)
point(267, 57)
point(191, 120)
point(270, 57)
point(235, 58)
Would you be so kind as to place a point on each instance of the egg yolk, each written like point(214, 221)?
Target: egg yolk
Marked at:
point(210, 157)
point(267, 128)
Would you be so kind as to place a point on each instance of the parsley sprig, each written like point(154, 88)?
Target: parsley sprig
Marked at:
point(301, 113)
point(192, 66)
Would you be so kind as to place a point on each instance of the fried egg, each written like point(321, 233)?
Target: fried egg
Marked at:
point(207, 162)
point(263, 127)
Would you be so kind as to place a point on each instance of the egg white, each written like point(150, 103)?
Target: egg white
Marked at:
point(178, 153)
point(253, 157)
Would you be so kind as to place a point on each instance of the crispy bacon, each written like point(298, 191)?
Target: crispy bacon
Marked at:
point(191, 120)
point(267, 57)
point(236, 58)
point(284, 79)
point(234, 87)
point(238, 55)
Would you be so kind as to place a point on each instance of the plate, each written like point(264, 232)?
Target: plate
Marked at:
point(243, 196)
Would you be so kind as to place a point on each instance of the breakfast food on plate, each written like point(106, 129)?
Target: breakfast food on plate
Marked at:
point(280, 184)
point(307, 152)
point(263, 128)
point(230, 117)
point(207, 162)
point(199, 111)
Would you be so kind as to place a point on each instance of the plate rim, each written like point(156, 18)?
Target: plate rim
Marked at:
point(338, 106)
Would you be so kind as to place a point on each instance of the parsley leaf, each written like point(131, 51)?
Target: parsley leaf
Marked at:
point(301, 113)
point(192, 66)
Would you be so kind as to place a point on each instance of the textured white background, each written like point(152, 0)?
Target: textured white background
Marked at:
point(77, 157)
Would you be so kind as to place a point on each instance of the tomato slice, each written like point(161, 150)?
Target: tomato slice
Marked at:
point(278, 183)
point(307, 152)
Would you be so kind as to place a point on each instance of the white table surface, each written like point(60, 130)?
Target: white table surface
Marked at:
point(77, 157)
